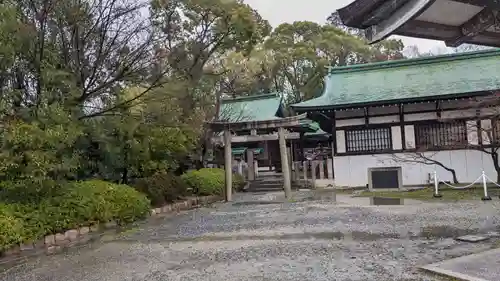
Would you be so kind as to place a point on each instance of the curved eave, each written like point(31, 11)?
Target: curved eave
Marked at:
point(406, 13)
point(353, 14)
point(426, 19)
point(440, 32)
point(264, 124)
point(389, 102)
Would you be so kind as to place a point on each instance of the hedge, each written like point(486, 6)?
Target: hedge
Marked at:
point(238, 182)
point(11, 228)
point(76, 204)
point(29, 210)
point(162, 188)
point(208, 181)
point(211, 181)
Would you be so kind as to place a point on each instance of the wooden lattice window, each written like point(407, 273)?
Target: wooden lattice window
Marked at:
point(369, 140)
point(451, 134)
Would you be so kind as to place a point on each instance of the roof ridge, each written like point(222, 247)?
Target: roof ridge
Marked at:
point(251, 97)
point(415, 61)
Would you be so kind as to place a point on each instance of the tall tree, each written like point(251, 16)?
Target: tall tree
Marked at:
point(194, 33)
point(303, 51)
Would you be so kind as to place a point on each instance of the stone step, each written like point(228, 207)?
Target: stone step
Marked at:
point(268, 187)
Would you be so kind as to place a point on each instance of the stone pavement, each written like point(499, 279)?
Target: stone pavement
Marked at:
point(477, 267)
point(264, 237)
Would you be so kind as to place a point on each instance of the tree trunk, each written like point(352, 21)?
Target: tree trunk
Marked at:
point(454, 174)
point(452, 171)
point(125, 176)
point(496, 165)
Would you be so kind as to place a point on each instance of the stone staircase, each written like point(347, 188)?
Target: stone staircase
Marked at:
point(268, 182)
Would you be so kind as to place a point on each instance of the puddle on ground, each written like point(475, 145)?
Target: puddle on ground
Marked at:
point(432, 232)
point(326, 235)
point(251, 203)
point(385, 201)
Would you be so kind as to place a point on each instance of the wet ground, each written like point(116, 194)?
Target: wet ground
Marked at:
point(264, 237)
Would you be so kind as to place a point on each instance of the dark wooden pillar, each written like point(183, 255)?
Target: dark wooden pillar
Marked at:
point(333, 141)
point(402, 126)
point(301, 157)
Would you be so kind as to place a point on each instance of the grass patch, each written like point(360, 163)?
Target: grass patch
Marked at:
point(347, 191)
point(474, 193)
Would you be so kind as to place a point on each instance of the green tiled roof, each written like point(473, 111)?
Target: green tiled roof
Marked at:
point(251, 108)
point(258, 150)
point(238, 150)
point(411, 79)
point(309, 126)
point(319, 132)
point(312, 129)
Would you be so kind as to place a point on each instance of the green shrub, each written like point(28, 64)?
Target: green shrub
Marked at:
point(31, 191)
point(206, 181)
point(162, 188)
point(83, 203)
point(105, 201)
point(11, 228)
point(238, 182)
point(211, 181)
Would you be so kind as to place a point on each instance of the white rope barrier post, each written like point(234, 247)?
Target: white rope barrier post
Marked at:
point(436, 186)
point(485, 187)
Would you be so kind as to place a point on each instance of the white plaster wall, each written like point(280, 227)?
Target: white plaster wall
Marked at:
point(340, 136)
point(472, 132)
point(410, 136)
point(350, 122)
point(485, 131)
point(396, 138)
point(384, 119)
point(409, 116)
point(468, 164)
point(420, 116)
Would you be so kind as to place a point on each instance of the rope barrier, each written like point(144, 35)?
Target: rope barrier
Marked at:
point(462, 187)
point(483, 177)
point(492, 181)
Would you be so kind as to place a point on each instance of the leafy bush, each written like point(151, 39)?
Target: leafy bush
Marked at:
point(162, 188)
point(238, 182)
point(211, 181)
point(100, 201)
point(206, 181)
point(31, 191)
point(11, 228)
point(81, 203)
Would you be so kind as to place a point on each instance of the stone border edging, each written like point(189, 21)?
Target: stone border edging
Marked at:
point(52, 244)
point(450, 274)
point(435, 268)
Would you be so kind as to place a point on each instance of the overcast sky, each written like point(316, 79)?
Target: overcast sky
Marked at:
point(280, 11)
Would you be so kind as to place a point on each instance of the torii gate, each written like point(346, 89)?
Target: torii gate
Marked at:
point(279, 124)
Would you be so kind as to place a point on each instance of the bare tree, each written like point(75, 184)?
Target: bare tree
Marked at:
point(488, 134)
point(425, 159)
point(484, 138)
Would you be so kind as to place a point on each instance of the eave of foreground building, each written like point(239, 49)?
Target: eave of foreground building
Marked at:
point(453, 21)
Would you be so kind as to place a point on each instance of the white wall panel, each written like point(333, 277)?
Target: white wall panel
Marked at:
point(353, 170)
point(396, 138)
point(340, 136)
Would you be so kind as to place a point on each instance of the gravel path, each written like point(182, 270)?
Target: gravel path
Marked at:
point(254, 239)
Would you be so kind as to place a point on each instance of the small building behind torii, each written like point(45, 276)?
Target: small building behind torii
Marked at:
point(254, 128)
